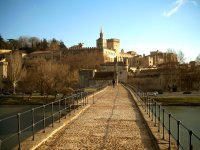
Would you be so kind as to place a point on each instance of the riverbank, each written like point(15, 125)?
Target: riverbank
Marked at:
point(178, 99)
point(25, 100)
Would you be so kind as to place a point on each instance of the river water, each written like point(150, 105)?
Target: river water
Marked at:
point(189, 116)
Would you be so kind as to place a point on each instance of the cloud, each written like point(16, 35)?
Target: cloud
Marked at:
point(194, 3)
point(177, 5)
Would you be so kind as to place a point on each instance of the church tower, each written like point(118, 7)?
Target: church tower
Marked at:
point(101, 42)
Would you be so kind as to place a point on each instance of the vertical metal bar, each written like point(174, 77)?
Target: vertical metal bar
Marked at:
point(70, 102)
point(65, 109)
point(163, 123)
point(77, 98)
point(149, 108)
point(152, 109)
point(52, 114)
point(158, 117)
point(93, 97)
point(178, 134)
point(82, 97)
point(190, 139)
point(145, 102)
point(59, 110)
point(44, 124)
point(155, 113)
point(33, 125)
point(74, 97)
point(147, 105)
point(87, 96)
point(0, 144)
point(18, 132)
point(169, 130)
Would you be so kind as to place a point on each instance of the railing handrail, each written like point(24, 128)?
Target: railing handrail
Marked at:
point(150, 105)
point(73, 100)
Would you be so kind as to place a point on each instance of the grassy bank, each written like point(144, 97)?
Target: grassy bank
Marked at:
point(25, 100)
point(178, 101)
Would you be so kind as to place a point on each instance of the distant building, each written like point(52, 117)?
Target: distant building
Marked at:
point(87, 57)
point(154, 59)
point(3, 73)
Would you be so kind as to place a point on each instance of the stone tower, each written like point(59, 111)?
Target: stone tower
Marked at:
point(101, 42)
point(114, 44)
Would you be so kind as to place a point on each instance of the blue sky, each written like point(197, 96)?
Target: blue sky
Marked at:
point(141, 25)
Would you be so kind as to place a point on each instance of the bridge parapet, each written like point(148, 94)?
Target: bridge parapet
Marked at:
point(21, 126)
point(168, 126)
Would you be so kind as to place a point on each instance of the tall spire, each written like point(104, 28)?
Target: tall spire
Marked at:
point(101, 33)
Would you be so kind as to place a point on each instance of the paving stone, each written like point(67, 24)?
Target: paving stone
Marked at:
point(113, 122)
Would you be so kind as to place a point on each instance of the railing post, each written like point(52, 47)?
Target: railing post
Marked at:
point(178, 134)
point(190, 139)
point(145, 104)
point(149, 107)
point(33, 125)
point(74, 98)
point(59, 110)
point(52, 114)
point(77, 98)
point(169, 130)
point(65, 109)
point(19, 132)
point(44, 124)
point(163, 123)
point(155, 113)
point(0, 144)
point(158, 117)
point(70, 102)
point(83, 98)
point(87, 97)
point(152, 109)
point(93, 97)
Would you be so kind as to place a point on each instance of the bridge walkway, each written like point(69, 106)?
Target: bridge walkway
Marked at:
point(112, 122)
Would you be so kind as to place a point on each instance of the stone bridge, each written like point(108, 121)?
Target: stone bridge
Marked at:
point(112, 120)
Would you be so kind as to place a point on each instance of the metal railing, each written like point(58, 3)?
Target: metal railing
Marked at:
point(16, 128)
point(170, 126)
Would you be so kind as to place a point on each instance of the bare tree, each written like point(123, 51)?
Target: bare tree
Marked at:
point(16, 68)
point(24, 42)
point(181, 57)
point(170, 50)
point(34, 41)
point(198, 60)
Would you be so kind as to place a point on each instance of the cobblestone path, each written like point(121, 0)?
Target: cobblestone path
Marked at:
point(113, 122)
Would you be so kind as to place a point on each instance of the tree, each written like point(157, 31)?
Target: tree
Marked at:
point(16, 68)
point(170, 50)
point(2, 43)
point(54, 44)
point(181, 57)
point(34, 42)
point(43, 45)
point(62, 45)
point(198, 60)
point(14, 44)
point(24, 42)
